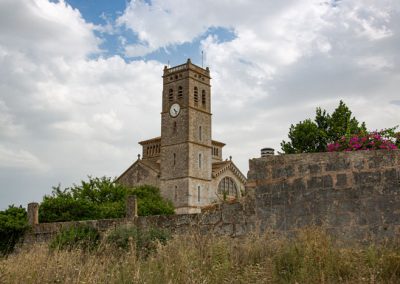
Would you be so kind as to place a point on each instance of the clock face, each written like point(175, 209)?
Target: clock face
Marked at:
point(174, 110)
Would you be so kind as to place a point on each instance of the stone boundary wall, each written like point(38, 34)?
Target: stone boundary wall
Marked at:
point(353, 195)
point(227, 219)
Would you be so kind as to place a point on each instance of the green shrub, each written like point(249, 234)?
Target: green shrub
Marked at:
point(150, 201)
point(144, 241)
point(100, 198)
point(13, 225)
point(82, 237)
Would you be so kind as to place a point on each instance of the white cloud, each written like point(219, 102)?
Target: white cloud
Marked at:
point(62, 111)
point(42, 29)
point(20, 160)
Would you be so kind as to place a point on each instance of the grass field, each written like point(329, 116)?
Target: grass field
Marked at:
point(310, 257)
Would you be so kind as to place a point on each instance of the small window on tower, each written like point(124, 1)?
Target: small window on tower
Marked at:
point(174, 159)
point(203, 97)
point(196, 95)
point(200, 136)
point(176, 193)
point(199, 160)
point(198, 193)
point(175, 127)
point(180, 92)
point(171, 95)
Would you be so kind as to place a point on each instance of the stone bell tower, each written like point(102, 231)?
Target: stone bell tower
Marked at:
point(186, 156)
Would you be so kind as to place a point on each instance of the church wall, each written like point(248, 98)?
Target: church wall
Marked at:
point(139, 175)
point(169, 134)
point(175, 190)
point(206, 196)
point(194, 170)
point(180, 168)
point(173, 81)
point(203, 120)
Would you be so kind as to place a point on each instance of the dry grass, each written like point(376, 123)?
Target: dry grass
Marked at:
point(311, 257)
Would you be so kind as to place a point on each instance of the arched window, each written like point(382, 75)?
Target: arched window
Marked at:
point(180, 92)
point(196, 95)
point(203, 97)
point(227, 186)
point(170, 95)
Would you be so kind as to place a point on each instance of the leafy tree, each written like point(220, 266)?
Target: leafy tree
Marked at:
point(99, 198)
point(314, 136)
point(13, 224)
point(305, 136)
point(340, 123)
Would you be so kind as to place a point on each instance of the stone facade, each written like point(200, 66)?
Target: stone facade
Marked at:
point(355, 196)
point(182, 161)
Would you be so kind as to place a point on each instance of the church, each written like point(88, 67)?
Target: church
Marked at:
point(184, 162)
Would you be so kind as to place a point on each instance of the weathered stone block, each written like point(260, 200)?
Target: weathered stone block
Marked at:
point(315, 168)
point(338, 165)
point(315, 182)
point(363, 178)
point(341, 180)
point(299, 184)
point(283, 172)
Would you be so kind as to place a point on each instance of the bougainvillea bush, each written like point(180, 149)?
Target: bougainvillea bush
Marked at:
point(377, 140)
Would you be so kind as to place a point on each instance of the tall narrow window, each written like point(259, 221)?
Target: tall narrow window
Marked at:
point(180, 92)
point(203, 97)
point(176, 193)
point(200, 136)
point(175, 127)
point(198, 193)
point(170, 95)
point(174, 159)
point(200, 160)
point(196, 95)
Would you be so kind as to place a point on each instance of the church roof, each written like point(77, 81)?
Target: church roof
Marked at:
point(151, 164)
point(219, 168)
point(147, 163)
point(217, 143)
point(152, 140)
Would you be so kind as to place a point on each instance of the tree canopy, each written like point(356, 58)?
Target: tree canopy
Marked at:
point(314, 135)
point(99, 198)
point(13, 224)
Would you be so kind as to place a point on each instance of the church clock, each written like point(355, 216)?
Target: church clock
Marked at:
point(175, 110)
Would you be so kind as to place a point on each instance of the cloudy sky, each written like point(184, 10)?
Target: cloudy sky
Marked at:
point(80, 80)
